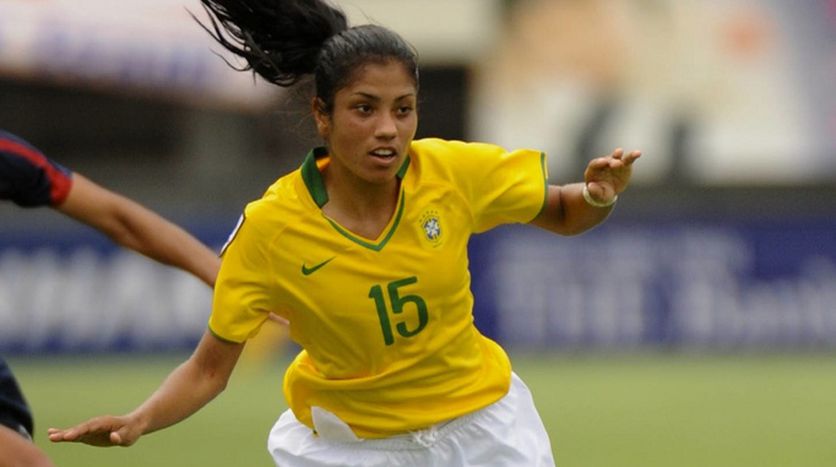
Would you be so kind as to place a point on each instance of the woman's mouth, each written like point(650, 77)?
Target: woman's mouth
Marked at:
point(385, 154)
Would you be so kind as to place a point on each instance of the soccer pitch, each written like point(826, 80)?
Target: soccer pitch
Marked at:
point(601, 410)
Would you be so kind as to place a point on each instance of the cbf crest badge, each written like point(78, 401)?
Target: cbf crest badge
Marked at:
point(431, 225)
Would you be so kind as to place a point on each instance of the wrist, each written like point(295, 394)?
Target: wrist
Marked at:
point(139, 421)
point(587, 196)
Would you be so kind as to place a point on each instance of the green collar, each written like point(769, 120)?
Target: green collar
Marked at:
point(316, 186)
point(313, 178)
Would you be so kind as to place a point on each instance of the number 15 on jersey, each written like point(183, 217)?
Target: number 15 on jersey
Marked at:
point(396, 307)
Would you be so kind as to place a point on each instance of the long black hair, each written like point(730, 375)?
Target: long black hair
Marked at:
point(284, 40)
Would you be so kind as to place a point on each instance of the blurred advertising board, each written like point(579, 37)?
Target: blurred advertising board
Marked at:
point(74, 291)
point(679, 284)
point(708, 285)
point(142, 47)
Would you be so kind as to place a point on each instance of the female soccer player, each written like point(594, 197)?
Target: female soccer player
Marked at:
point(30, 179)
point(363, 250)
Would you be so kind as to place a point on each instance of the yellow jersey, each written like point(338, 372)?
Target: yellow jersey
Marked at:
point(385, 324)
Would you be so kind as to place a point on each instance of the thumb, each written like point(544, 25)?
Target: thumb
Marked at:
point(116, 438)
point(122, 437)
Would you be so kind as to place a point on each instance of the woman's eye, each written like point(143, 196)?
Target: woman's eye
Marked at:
point(364, 108)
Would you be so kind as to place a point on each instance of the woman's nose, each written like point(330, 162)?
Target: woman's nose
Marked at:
point(386, 127)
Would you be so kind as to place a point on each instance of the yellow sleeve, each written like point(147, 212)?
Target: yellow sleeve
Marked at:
point(502, 187)
point(243, 299)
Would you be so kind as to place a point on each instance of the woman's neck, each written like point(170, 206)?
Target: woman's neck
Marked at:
point(363, 208)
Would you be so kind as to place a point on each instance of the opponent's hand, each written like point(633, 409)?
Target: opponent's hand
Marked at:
point(608, 176)
point(106, 430)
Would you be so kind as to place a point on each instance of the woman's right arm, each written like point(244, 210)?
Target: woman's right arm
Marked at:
point(186, 389)
point(134, 226)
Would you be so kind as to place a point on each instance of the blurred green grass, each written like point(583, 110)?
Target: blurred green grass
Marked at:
point(643, 410)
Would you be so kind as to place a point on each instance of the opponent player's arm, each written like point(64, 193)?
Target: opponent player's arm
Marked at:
point(568, 212)
point(133, 226)
point(18, 451)
point(186, 389)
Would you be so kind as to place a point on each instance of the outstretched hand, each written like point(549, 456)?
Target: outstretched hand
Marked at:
point(608, 176)
point(106, 430)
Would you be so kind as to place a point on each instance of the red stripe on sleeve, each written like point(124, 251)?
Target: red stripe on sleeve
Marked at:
point(59, 182)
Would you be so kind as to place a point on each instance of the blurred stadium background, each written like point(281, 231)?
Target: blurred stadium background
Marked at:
point(696, 327)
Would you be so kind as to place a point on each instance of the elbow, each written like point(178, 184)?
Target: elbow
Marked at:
point(121, 232)
point(558, 223)
point(572, 232)
point(221, 385)
point(207, 380)
point(568, 230)
point(217, 382)
point(567, 227)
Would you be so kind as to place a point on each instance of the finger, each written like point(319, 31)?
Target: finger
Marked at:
point(615, 164)
point(55, 435)
point(116, 438)
point(617, 153)
point(88, 432)
point(59, 434)
point(631, 157)
point(599, 163)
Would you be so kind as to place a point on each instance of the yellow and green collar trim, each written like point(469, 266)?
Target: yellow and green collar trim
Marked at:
point(313, 178)
point(316, 187)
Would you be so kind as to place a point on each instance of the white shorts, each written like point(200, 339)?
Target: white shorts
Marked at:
point(507, 433)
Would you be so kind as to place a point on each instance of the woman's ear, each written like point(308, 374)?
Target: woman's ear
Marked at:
point(321, 117)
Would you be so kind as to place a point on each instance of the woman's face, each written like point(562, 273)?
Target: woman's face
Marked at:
point(373, 121)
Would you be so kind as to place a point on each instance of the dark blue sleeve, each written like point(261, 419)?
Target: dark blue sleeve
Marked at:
point(27, 177)
point(14, 412)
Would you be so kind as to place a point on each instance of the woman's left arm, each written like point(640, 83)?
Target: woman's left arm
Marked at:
point(577, 207)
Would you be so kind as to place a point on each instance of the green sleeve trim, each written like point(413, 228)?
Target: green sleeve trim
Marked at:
point(228, 341)
point(545, 185)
